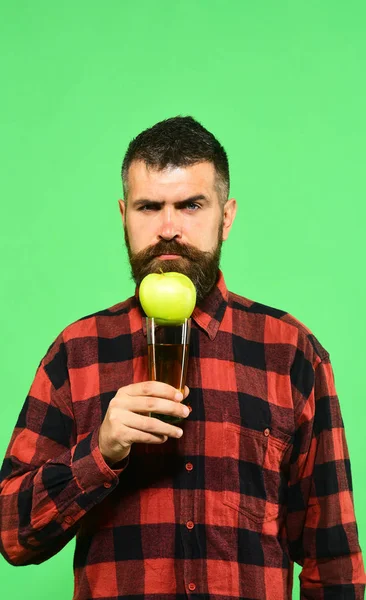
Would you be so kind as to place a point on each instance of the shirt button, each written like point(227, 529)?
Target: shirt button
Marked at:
point(192, 586)
point(107, 484)
point(190, 524)
point(266, 432)
point(189, 466)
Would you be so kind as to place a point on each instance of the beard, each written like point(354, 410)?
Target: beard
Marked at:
point(200, 266)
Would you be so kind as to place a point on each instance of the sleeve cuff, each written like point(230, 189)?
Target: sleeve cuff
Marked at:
point(89, 467)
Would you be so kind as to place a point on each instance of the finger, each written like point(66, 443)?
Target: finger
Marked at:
point(150, 425)
point(152, 388)
point(144, 405)
point(136, 436)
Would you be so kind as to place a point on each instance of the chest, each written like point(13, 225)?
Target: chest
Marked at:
point(231, 380)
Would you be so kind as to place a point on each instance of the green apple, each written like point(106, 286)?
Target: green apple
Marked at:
point(168, 297)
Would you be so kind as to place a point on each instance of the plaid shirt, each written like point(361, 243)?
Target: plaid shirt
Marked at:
point(260, 478)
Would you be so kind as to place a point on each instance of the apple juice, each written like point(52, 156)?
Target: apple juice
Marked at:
point(168, 363)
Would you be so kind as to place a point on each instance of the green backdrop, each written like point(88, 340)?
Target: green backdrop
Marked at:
point(281, 84)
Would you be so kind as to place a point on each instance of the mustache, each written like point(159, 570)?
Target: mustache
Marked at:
point(168, 248)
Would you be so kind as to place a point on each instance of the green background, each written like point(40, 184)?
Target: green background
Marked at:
point(282, 86)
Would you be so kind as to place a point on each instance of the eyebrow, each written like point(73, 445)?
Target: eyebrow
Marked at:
point(147, 202)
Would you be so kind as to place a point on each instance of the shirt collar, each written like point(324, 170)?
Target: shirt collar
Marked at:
point(209, 313)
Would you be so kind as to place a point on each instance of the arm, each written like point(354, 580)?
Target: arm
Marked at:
point(48, 479)
point(321, 524)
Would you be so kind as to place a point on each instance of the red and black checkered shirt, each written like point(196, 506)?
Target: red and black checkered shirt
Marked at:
point(260, 478)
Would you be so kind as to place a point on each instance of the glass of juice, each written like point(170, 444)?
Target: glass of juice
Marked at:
point(167, 355)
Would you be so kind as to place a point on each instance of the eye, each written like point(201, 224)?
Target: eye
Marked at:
point(194, 204)
point(148, 207)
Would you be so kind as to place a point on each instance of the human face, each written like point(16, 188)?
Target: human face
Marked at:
point(173, 222)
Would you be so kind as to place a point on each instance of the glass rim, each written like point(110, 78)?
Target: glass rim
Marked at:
point(156, 320)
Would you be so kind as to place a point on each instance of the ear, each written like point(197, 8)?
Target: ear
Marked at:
point(122, 210)
point(228, 217)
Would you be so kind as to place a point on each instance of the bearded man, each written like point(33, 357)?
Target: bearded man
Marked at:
point(255, 476)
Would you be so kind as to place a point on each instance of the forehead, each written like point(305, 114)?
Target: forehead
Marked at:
point(173, 182)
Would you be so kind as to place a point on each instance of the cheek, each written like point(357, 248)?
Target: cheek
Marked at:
point(202, 235)
point(138, 234)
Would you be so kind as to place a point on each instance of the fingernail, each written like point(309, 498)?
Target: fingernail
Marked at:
point(179, 432)
point(186, 411)
point(179, 396)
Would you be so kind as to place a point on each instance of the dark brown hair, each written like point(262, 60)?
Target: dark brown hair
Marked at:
point(178, 142)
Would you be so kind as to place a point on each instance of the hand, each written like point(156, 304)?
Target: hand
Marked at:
point(127, 421)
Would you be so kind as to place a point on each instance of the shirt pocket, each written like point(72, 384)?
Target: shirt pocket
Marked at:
point(254, 470)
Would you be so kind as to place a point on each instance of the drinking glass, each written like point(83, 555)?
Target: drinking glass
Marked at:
point(167, 354)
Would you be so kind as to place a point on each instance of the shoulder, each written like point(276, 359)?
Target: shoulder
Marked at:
point(100, 322)
point(278, 326)
point(79, 334)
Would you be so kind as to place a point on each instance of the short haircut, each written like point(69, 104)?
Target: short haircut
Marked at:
point(178, 142)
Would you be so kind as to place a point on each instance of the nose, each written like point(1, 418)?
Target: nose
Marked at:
point(170, 226)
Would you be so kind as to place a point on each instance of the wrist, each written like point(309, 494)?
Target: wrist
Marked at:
point(114, 461)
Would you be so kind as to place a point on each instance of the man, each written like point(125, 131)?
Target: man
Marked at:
point(255, 476)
